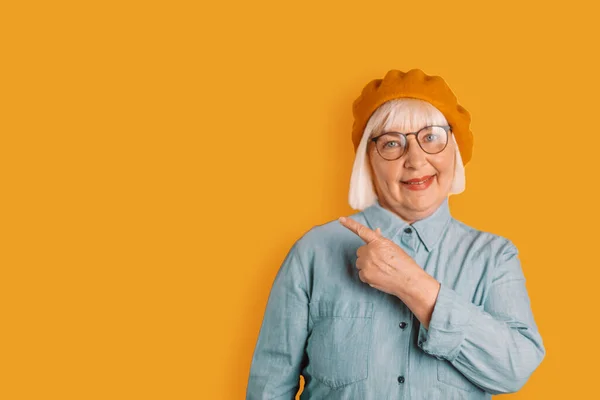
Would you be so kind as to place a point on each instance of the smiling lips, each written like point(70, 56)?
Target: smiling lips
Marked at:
point(418, 183)
point(418, 180)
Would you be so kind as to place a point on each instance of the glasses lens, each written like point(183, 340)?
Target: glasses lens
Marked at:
point(433, 139)
point(391, 146)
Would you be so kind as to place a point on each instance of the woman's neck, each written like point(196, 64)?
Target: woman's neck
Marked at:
point(409, 216)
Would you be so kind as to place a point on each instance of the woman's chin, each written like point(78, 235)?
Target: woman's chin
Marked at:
point(420, 199)
point(410, 192)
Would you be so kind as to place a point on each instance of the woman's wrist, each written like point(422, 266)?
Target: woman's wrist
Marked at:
point(419, 292)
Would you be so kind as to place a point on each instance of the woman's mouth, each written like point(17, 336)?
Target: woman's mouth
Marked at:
point(418, 183)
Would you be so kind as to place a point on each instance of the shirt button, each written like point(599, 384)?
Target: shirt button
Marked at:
point(408, 230)
point(402, 325)
point(400, 379)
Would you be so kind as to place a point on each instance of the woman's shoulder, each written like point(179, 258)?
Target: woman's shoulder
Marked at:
point(329, 234)
point(479, 238)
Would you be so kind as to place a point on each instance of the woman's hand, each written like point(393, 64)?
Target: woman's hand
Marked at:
point(382, 263)
point(385, 266)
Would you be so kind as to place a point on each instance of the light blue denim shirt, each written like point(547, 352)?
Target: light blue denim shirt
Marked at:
point(352, 341)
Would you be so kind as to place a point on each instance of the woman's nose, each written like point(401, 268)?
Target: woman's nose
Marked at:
point(415, 157)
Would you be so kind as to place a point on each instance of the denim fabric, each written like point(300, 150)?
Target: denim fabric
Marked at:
point(351, 341)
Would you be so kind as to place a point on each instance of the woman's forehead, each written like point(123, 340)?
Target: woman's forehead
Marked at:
point(411, 122)
point(410, 116)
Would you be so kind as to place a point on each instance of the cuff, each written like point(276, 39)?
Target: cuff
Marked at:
point(448, 326)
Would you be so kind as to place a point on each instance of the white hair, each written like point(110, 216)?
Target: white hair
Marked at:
point(406, 115)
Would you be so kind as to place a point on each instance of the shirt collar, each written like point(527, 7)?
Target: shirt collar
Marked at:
point(428, 229)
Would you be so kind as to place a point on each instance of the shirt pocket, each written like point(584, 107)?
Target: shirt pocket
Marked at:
point(449, 375)
point(339, 345)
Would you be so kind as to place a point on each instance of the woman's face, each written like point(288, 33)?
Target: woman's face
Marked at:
point(413, 201)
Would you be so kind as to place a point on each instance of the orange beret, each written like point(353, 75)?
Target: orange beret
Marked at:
point(415, 84)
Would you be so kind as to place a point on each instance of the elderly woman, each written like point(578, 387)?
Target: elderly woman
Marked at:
point(400, 300)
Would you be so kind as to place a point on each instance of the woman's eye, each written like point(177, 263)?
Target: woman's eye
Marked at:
point(430, 138)
point(391, 144)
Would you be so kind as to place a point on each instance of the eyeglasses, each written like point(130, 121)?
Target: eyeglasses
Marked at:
point(431, 139)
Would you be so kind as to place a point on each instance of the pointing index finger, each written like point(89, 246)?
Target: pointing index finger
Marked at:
point(365, 233)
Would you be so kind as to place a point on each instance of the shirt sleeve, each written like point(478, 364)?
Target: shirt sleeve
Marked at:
point(279, 353)
point(496, 346)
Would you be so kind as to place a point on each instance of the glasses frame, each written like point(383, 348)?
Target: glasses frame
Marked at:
point(446, 128)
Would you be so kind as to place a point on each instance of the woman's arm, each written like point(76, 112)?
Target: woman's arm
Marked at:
point(497, 346)
point(279, 352)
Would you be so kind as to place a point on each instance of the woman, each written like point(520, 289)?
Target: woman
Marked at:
point(400, 300)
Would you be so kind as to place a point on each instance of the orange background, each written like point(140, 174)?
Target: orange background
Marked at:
point(160, 159)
